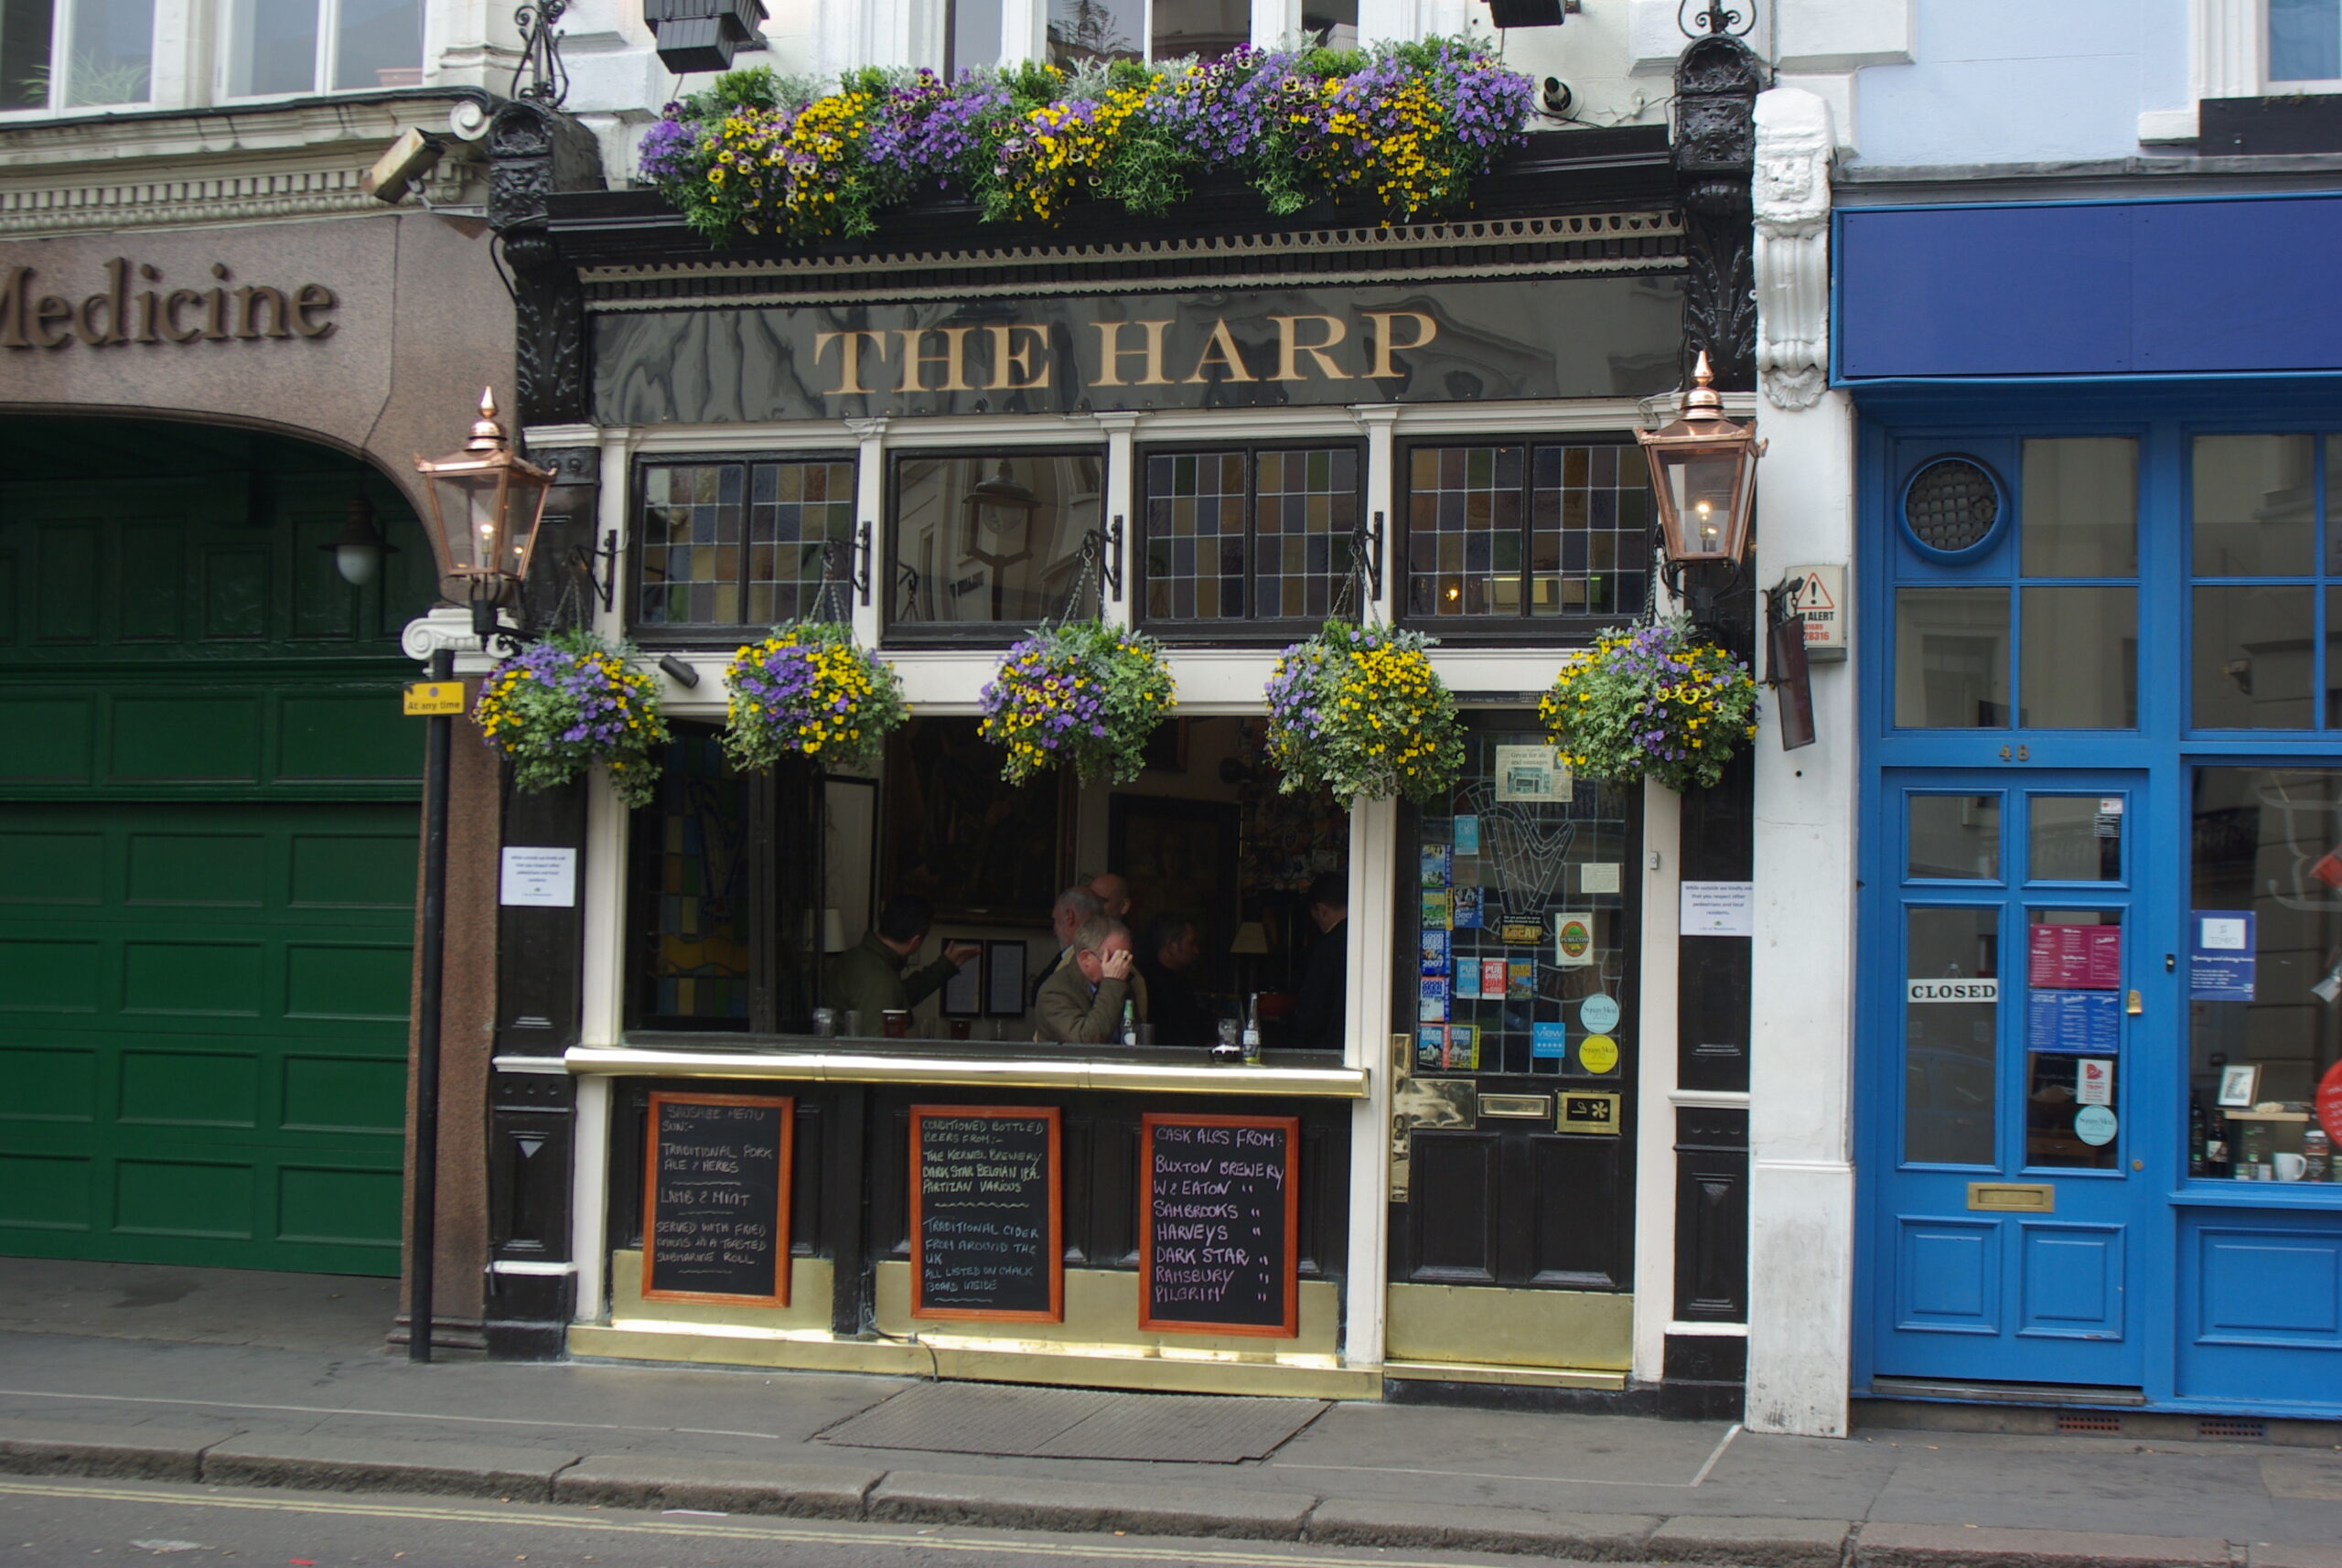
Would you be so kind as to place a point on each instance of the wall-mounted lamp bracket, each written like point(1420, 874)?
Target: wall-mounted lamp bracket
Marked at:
point(1109, 543)
point(1366, 549)
point(599, 568)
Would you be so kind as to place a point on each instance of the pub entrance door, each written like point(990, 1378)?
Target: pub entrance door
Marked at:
point(2010, 1215)
point(1511, 1201)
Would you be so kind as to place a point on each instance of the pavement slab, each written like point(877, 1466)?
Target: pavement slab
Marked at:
point(1958, 1546)
point(1751, 1542)
point(1583, 1537)
point(119, 1451)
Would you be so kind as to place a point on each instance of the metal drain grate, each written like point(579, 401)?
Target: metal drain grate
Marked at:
point(2093, 1421)
point(2234, 1428)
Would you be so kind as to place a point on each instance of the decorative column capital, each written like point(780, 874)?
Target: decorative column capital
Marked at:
point(1789, 195)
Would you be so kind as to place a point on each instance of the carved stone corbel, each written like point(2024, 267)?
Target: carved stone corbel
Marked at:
point(1716, 83)
point(534, 152)
point(1790, 197)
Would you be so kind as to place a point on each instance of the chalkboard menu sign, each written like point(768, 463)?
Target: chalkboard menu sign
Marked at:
point(715, 1198)
point(987, 1222)
point(1216, 1247)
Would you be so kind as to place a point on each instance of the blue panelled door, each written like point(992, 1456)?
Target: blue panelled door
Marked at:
point(2010, 1213)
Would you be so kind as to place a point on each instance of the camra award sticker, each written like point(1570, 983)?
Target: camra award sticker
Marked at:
point(1573, 941)
point(1597, 1053)
point(1598, 1014)
point(2094, 1125)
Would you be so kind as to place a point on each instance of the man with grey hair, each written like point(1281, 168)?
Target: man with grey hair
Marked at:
point(1074, 905)
point(1082, 1003)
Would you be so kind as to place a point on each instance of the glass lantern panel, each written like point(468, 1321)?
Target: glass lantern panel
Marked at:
point(1705, 486)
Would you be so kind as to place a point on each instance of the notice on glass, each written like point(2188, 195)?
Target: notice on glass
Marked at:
point(1467, 835)
point(2221, 955)
point(1719, 909)
point(538, 878)
point(2073, 958)
point(2094, 1082)
point(1550, 1041)
point(2075, 1021)
point(1533, 773)
point(1598, 876)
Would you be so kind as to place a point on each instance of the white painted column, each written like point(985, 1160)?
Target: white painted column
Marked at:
point(1801, 1180)
point(1024, 30)
point(1366, 1043)
point(870, 509)
point(1654, 1283)
point(602, 1005)
point(1381, 467)
point(589, 1172)
point(1118, 501)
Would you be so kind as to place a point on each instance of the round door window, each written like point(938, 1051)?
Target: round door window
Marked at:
point(1951, 508)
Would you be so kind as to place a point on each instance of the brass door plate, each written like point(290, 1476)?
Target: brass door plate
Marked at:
point(2028, 1197)
point(1536, 1107)
point(1432, 1102)
point(1589, 1113)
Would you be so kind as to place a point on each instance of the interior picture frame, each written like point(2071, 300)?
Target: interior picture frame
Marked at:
point(962, 995)
point(2239, 1086)
point(1004, 972)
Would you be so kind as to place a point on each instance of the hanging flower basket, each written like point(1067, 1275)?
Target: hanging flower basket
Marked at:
point(560, 706)
point(1081, 693)
point(1653, 702)
point(1404, 130)
point(809, 690)
point(1358, 710)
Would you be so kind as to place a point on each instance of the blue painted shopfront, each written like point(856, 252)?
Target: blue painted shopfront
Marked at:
point(2099, 603)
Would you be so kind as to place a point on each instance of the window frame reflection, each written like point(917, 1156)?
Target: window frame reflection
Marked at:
point(2265, 672)
point(1988, 918)
point(1014, 621)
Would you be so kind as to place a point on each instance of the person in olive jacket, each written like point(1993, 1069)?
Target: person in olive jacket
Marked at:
point(868, 978)
point(1081, 1002)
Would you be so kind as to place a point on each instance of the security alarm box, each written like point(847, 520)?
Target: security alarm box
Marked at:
point(1818, 594)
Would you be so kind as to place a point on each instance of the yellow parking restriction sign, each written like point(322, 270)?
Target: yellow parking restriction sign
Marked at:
point(427, 697)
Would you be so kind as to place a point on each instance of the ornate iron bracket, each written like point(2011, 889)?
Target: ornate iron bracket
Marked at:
point(548, 79)
point(1109, 540)
point(1366, 553)
point(604, 582)
point(835, 570)
point(1713, 19)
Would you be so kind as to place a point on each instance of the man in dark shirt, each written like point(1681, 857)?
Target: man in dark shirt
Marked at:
point(1325, 986)
point(868, 978)
point(1178, 1014)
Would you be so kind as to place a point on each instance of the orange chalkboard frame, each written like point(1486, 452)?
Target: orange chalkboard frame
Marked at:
point(1289, 1327)
point(1055, 1245)
point(781, 1267)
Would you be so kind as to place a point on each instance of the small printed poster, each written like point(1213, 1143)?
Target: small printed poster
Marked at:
point(1468, 836)
point(1439, 910)
point(2073, 958)
point(2221, 955)
point(1463, 1047)
point(1522, 933)
point(2073, 1022)
point(1718, 909)
point(1467, 980)
point(1574, 940)
point(1434, 952)
point(1519, 979)
point(538, 878)
point(1550, 1041)
point(1431, 1001)
point(1431, 1047)
point(1598, 876)
point(2094, 1080)
point(1533, 773)
point(1465, 908)
point(1492, 976)
point(1438, 865)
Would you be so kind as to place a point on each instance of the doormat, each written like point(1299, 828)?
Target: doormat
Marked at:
point(1007, 1420)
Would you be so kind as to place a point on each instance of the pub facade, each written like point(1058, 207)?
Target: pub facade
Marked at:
point(1509, 1180)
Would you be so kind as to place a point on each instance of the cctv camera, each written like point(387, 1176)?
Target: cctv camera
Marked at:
point(1557, 97)
point(399, 169)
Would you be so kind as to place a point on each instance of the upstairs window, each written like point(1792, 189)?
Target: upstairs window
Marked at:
point(76, 54)
point(287, 47)
point(737, 544)
point(988, 544)
point(1235, 536)
point(2305, 40)
point(1084, 30)
point(1500, 533)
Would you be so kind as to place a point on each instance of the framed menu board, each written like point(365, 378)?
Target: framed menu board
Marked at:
point(987, 1213)
point(715, 1198)
point(1217, 1238)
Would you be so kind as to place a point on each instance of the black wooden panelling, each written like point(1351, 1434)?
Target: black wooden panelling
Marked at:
point(1454, 1179)
point(1711, 981)
point(1711, 1215)
point(540, 951)
point(1581, 1222)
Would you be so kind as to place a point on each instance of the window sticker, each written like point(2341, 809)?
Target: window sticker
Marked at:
point(2221, 955)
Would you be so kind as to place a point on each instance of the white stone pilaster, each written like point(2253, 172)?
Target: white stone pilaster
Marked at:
point(1801, 1186)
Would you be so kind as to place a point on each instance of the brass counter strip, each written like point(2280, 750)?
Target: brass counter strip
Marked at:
point(1021, 1072)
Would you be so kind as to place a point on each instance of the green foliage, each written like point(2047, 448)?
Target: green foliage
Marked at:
point(1654, 702)
point(569, 704)
point(809, 690)
point(1359, 710)
point(1084, 693)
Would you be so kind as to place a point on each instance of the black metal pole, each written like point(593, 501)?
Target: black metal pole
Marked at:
point(422, 1226)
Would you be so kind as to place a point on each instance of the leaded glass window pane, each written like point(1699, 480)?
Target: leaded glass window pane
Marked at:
point(739, 544)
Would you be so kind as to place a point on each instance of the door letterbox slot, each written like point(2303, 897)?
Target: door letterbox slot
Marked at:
point(2031, 1197)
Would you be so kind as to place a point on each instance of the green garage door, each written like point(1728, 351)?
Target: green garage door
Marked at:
point(205, 1015)
point(208, 833)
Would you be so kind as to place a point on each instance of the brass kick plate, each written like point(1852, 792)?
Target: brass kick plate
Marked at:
point(1535, 1106)
point(2032, 1198)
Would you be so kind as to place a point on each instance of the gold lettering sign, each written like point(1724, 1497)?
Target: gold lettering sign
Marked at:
point(132, 308)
